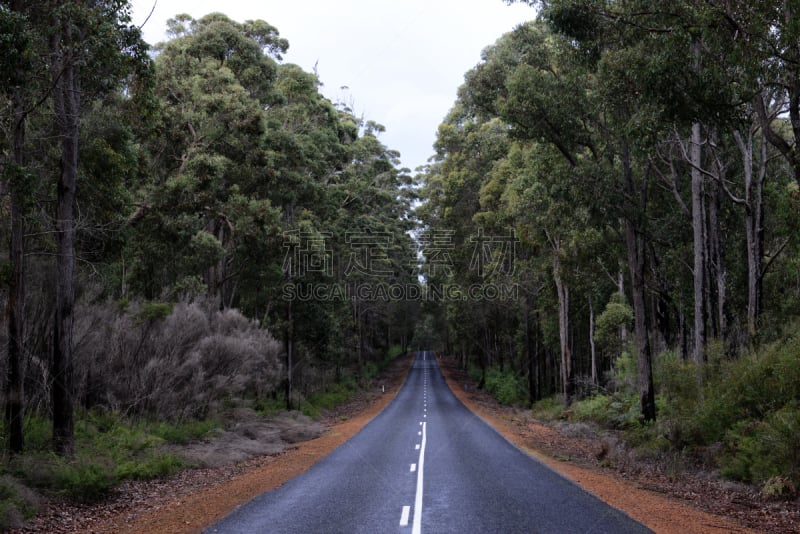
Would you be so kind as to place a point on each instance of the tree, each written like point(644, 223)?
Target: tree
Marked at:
point(91, 51)
point(16, 77)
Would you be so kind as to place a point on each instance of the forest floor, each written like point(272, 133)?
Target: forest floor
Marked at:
point(665, 497)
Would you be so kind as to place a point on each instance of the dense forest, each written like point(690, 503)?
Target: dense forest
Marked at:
point(643, 159)
point(609, 230)
point(165, 211)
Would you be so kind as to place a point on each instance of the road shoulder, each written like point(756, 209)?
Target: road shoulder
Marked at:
point(199, 508)
point(658, 512)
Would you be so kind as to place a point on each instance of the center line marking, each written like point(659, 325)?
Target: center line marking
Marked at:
point(404, 516)
point(416, 447)
point(417, 527)
point(413, 467)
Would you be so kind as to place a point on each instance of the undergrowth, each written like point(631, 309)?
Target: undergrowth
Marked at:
point(108, 450)
point(740, 416)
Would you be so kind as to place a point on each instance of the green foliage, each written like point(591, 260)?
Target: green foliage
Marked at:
point(155, 311)
point(269, 406)
point(369, 371)
point(751, 388)
point(625, 371)
point(475, 373)
point(206, 249)
point(85, 479)
point(617, 314)
point(611, 411)
point(152, 465)
point(331, 397)
point(679, 394)
point(779, 487)
point(394, 352)
point(17, 503)
point(757, 451)
point(109, 449)
point(549, 409)
point(748, 407)
point(182, 432)
point(506, 386)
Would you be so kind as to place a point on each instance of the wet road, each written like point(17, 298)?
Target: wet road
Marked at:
point(427, 464)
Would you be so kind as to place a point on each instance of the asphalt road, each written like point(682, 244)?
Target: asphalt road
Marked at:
point(427, 464)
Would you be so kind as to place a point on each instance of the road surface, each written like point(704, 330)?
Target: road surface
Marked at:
point(427, 464)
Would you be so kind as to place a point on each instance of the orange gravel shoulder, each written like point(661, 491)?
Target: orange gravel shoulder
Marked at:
point(192, 512)
point(196, 511)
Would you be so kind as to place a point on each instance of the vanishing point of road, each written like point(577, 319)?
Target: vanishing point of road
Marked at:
point(427, 464)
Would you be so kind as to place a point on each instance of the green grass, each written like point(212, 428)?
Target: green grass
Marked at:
point(108, 450)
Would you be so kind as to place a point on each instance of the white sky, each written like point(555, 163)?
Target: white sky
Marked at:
point(402, 60)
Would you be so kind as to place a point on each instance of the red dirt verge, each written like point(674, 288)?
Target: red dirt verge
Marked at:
point(197, 498)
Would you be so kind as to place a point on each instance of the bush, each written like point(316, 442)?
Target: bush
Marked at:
point(613, 411)
point(549, 409)
point(153, 465)
point(85, 480)
point(170, 361)
point(394, 352)
point(369, 371)
point(17, 503)
point(506, 386)
point(109, 449)
point(757, 451)
point(333, 396)
point(750, 388)
point(475, 373)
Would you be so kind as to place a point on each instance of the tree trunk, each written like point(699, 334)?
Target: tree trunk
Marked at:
point(562, 290)
point(753, 205)
point(592, 346)
point(15, 309)
point(66, 104)
point(289, 355)
point(623, 330)
point(635, 245)
point(698, 227)
point(716, 263)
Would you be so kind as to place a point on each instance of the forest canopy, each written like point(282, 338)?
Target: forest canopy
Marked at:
point(161, 203)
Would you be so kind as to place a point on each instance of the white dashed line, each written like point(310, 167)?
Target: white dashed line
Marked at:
point(417, 527)
point(404, 516)
point(413, 467)
point(416, 447)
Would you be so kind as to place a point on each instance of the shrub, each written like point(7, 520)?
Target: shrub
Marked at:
point(779, 487)
point(750, 388)
point(171, 361)
point(85, 480)
point(369, 371)
point(506, 386)
point(616, 315)
point(758, 451)
point(549, 409)
point(17, 503)
point(613, 411)
point(151, 466)
point(394, 352)
point(331, 397)
point(475, 373)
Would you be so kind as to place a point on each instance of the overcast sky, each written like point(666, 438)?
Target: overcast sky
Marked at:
point(402, 60)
